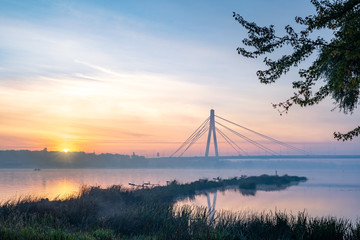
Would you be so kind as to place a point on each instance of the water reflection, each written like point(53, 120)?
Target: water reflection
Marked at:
point(36, 185)
point(245, 192)
point(327, 192)
point(211, 207)
point(15, 183)
point(61, 188)
point(316, 202)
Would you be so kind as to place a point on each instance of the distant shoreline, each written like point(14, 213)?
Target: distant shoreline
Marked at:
point(25, 159)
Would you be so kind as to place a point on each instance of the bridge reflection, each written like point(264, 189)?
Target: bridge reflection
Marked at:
point(211, 208)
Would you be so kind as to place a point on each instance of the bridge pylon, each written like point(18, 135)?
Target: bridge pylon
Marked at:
point(212, 130)
point(209, 126)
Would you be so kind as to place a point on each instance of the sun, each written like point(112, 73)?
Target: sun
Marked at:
point(65, 150)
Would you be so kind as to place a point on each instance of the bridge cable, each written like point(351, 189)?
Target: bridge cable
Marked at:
point(200, 134)
point(259, 145)
point(191, 136)
point(264, 136)
point(234, 143)
point(197, 136)
point(223, 135)
point(194, 138)
point(266, 149)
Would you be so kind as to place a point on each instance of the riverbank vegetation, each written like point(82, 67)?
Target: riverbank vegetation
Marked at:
point(149, 213)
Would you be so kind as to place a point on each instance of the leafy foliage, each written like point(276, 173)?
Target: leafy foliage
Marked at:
point(337, 63)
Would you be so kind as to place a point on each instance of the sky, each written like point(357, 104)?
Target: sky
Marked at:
point(141, 76)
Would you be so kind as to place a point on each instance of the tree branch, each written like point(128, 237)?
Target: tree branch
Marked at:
point(347, 136)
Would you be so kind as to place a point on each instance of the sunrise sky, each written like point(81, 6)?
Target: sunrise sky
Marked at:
point(141, 76)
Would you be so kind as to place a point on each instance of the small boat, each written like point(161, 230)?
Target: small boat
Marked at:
point(36, 169)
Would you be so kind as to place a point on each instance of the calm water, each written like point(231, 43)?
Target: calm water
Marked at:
point(327, 192)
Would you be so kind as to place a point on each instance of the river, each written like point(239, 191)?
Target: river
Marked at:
point(328, 192)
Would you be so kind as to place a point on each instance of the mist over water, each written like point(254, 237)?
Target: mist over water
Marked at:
point(328, 192)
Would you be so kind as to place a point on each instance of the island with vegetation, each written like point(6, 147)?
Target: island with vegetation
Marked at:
point(149, 212)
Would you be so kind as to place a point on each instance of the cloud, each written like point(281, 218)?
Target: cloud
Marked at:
point(91, 74)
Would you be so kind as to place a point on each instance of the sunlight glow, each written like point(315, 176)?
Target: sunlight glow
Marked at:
point(86, 91)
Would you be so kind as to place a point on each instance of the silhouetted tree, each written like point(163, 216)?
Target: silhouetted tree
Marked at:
point(337, 63)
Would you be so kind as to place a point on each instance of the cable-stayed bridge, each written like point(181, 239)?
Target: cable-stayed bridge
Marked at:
point(210, 126)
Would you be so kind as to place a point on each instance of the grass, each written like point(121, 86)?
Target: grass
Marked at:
point(120, 213)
